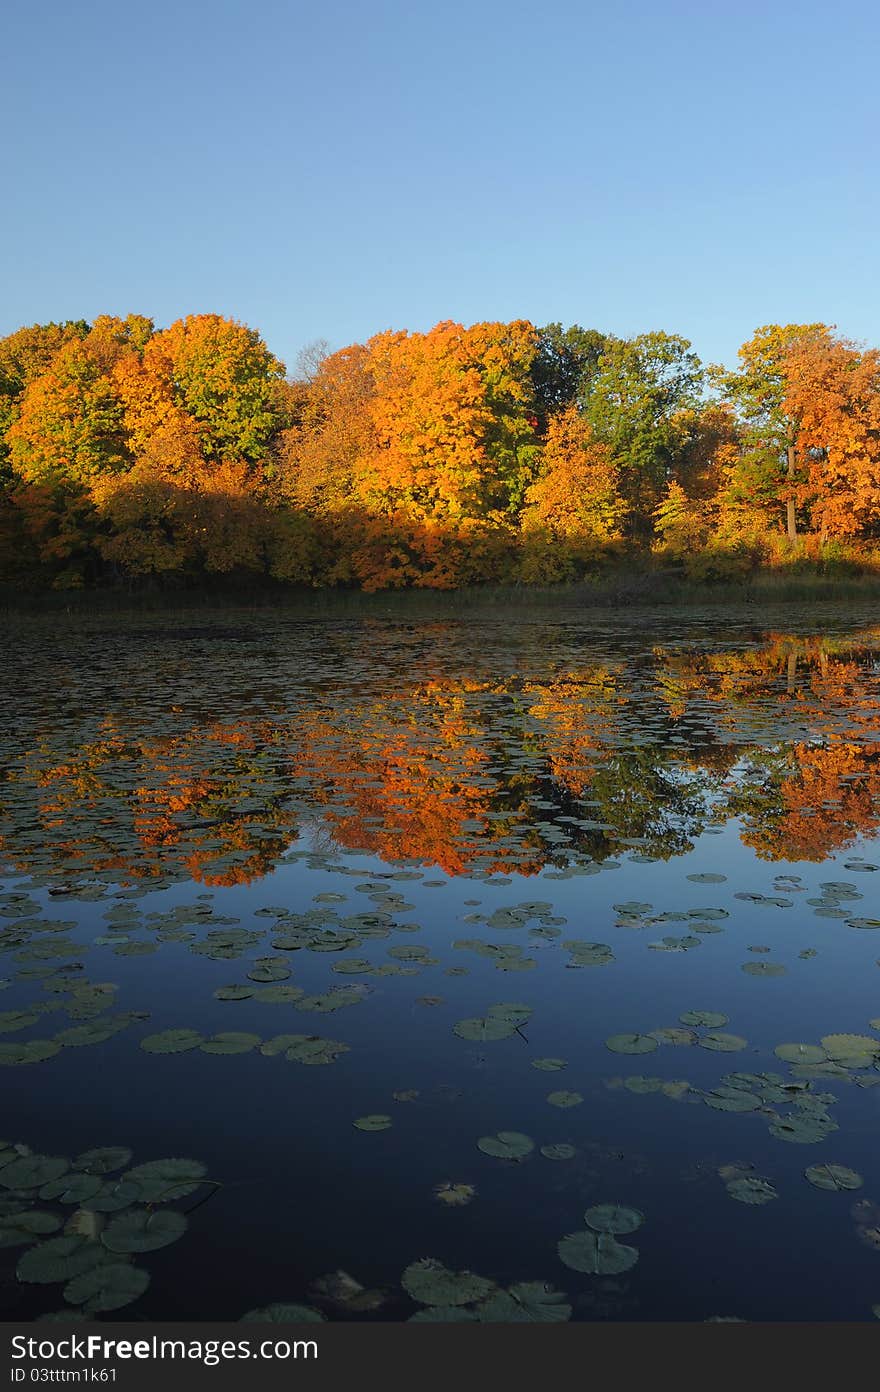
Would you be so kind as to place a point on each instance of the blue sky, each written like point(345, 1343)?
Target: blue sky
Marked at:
point(331, 169)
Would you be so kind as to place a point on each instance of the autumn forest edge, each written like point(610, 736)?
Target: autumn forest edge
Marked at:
point(497, 453)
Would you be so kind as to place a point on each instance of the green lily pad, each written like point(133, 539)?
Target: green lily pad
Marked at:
point(711, 1019)
point(32, 1171)
point(564, 1099)
point(374, 1122)
point(752, 1190)
point(172, 1041)
point(314, 1051)
point(631, 1043)
point(596, 1254)
point(613, 1218)
point(103, 1159)
point(506, 1145)
point(20, 1229)
point(107, 1287)
point(529, 1302)
point(763, 968)
point(72, 1188)
point(430, 1283)
point(549, 1065)
point(162, 1180)
point(558, 1152)
point(800, 1053)
point(34, 1051)
point(141, 1230)
point(59, 1259)
point(722, 1043)
point(281, 1313)
point(835, 1177)
point(230, 1042)
point(480, 1030)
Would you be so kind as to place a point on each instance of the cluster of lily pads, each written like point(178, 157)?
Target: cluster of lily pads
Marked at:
point(81, 1221)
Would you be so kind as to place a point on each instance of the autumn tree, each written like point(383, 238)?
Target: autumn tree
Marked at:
point(832, 389)
point(574, 508)
point(70, 425)
point(767, 474)
point(221, 374)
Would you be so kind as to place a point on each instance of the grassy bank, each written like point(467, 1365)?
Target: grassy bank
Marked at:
point(621, 589)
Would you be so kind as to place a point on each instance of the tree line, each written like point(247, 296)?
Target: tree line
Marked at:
point(497, 452)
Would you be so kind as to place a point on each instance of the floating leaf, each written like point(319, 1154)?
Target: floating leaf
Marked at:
point(631, 1043)
point(752, 1190)
point(596, 1254)
point(613, 1218)
point(506, 1145)
point(141, 1230)
point(454, 1195)
point(835, 1177)
point(230, 1042)
point(558, 1152)
point(722, 1043)
point(374, 1122)
point(564, 1099)
point(172, 1041)
point(59, 1259)
point(480, 1030)
point(20, 1229)
point(800, 1053)
point(161, 1180)
point(107, 1287)
point(103, 1159)
point(281, 1313)
point(529, 1302)
point(430, 1283)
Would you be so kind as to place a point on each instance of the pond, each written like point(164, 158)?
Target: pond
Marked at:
point(486, 967)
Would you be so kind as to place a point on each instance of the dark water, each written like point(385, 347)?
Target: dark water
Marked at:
point(163, 785)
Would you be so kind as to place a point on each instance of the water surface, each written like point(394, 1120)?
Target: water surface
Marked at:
point(584, 827)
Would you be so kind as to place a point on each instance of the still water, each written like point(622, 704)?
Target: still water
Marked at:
point(455, 969)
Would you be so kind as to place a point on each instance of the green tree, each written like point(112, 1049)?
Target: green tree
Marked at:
point(642, 403)
point(564, 364)
point(767, 471)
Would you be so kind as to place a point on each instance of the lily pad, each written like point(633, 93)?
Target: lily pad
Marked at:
point(374, 1122)
point(752, 1190)
point(162, 1180)
point(613, 1218)
point(107, 1287)
point(230, 1042)
point(722, 1043)
point(141, 1230)
point(836, 1177)
point(172, 1041)
point(596, 1254)
point(430, 1283)
point(102, 1160)
point(281, 1313)
point(480, 1030)
point(506, 1145)
point(529, 1302)
point(564, 1099)
point(631, 1043)
point(59, 1259)
point(800, 1053)
point(558, 1152)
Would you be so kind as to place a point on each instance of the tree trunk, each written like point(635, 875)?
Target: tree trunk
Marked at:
point(790, 518)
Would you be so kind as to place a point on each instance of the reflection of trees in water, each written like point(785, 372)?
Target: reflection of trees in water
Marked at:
point(504, 773)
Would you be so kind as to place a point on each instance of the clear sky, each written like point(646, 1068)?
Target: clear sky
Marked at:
point(331, 169)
